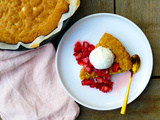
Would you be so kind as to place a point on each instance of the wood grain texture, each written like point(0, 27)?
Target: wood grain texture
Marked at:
point(145, 13)
point(88, 7)
point(146, 106)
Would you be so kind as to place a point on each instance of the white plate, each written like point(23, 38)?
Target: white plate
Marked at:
point(91, 28)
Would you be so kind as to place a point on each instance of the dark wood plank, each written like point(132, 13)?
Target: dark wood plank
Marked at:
point(145, 13)
point(146, 106)
point(88, 7)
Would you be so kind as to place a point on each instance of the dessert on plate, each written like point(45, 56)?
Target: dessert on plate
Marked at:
point(108, 57)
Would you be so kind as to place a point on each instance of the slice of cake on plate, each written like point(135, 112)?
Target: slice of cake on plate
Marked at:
point(107, 58)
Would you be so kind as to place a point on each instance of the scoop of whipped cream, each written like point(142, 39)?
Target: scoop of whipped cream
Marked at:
point(101, 58)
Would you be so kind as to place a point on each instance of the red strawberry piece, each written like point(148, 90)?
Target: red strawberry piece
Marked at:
point(105, 88)
point(85, 54)
point(75, 54)
point(107, 77)
point(84, 49)
point(87, 68)
point(98, 85)
point(93, 84)
point(88, 53)
point(85, 44)
point(78, 44)
point(86, 60)
point(99, 80)
point(90, 64)
point(107, 82)
point(86, 82)
point(111, 85)
point(91, 47)
point(77, 49)
point(106, 71)
point(78, 55)
point(101, 73)
point(96, 70)
point(115, 67)
point(80, 62)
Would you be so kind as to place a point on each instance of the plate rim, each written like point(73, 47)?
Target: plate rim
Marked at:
point(81, 20)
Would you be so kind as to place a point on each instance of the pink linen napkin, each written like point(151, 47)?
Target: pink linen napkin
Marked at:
point(30, 89)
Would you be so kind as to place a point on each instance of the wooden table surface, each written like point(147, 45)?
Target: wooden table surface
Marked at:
point(146, 14)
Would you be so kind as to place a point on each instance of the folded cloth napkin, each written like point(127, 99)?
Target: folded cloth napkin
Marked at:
point(30, 89)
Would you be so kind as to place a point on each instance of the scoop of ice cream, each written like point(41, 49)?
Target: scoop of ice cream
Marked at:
point(101, 58)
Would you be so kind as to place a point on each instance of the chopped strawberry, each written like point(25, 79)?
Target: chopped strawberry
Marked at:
point(106, 71)
point(78, 44)
point(111, 85)
point(86, 82)
point(105, 88)
point(78, 55)
point(96, 70)
point(84, 49)
point(93, 84)
point(107, 77)
point(85, 54)
point(98, 85)
point(75, 54)
point(88, 53)
point(80, 62)
point(115, 67)
point(90, 64)
point(91, 47)
point(77, 49)
point(99, 80)
point(85, 44)
point(87, 68)
point(107, 82)
point(101, 73)
point(86, 60)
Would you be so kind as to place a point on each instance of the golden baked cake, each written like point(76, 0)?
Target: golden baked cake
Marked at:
point(25, 20)
point(122, 57)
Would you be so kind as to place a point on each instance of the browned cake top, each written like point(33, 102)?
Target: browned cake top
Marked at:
point(122, 56)
point(25, 20)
